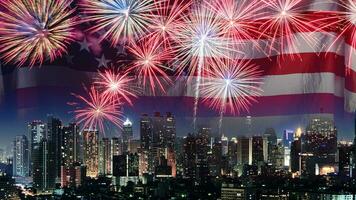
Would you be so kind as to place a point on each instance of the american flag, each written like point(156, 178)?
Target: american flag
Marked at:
point(314, 81)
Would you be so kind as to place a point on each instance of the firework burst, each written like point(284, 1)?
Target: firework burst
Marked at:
point(240, 18)
point(169, 15)
point(119, 19)
point(149, 64)
point(283, 19)
point(97, 109)
point(34, 30)
point(345, 21)
point(116, 85)
point(200, 40)
point(233, 86)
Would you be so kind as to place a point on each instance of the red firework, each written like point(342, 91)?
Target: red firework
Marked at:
point(240, 19)
point(345, 24)
point(287, 26)
point(169, 16)
point(96, 109)
point(149, 63)
point(116, 85)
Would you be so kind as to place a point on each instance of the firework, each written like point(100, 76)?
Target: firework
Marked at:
point(240, 18)
point(97, 109)
point(231, 87)
point(283, 20)
point(116, 85)
point(169, 15)
point(149, 64)
point(200, 40)
point(119, 19)
point(345, 22)
point(34, 30)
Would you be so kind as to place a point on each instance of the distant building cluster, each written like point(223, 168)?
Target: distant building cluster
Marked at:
point(53, 156)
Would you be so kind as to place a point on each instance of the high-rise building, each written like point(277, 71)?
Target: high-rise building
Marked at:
point(277, 156)
point(105, 157)
point(36, 131)
point(54, 137)
point(202, 148)
point(91, 152)
point(70, 145)
point(271, 137)
point(224, 145)
point(170, 130)
point(43, 173)
point(42, 155)
point(189, 156)
point(257, 151)
point(73, 176)
point(243, 150)
point(232, 152)
point(134, 146)
point(157, 135)
point(320, 140)
point(288, 136)
point(126, 165)
point(21, 159)
point(127, 135)
point(344, 159)
point(2, 156)
point(116, 146)
point(145, 132)
point(295, 151)
point(354, 153)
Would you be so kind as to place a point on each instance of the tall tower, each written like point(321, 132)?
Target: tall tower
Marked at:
point(36, 131)
point(105, 157)
point(53, 135)
point(354, 153)
point(127, 135)
point(20, 159)
point(91, 152)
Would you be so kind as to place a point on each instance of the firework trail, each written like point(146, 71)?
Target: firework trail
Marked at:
point(96, 109)
point(149, 63)
point(119, 19)
point(231, 87)
point(34, 30)
point(283, 19)
point(116, 85)
point(200, 40)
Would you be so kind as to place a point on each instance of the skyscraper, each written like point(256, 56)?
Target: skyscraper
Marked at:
point(91, 152)
point(243, 152)
point(42, 156)
point(105, 156)
point(116, 146)
point(157, 135)
point(344, 159)
point(21, 159)
point(170, 130)
point(271, 137)
point(36, 131)
point(70, 145)
point(43, 173)
point(321, 141)
point(145, 132)
point(288, 136)
point(54, 137)
point(127, 135)
point(189, 157)
point(256, 150)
